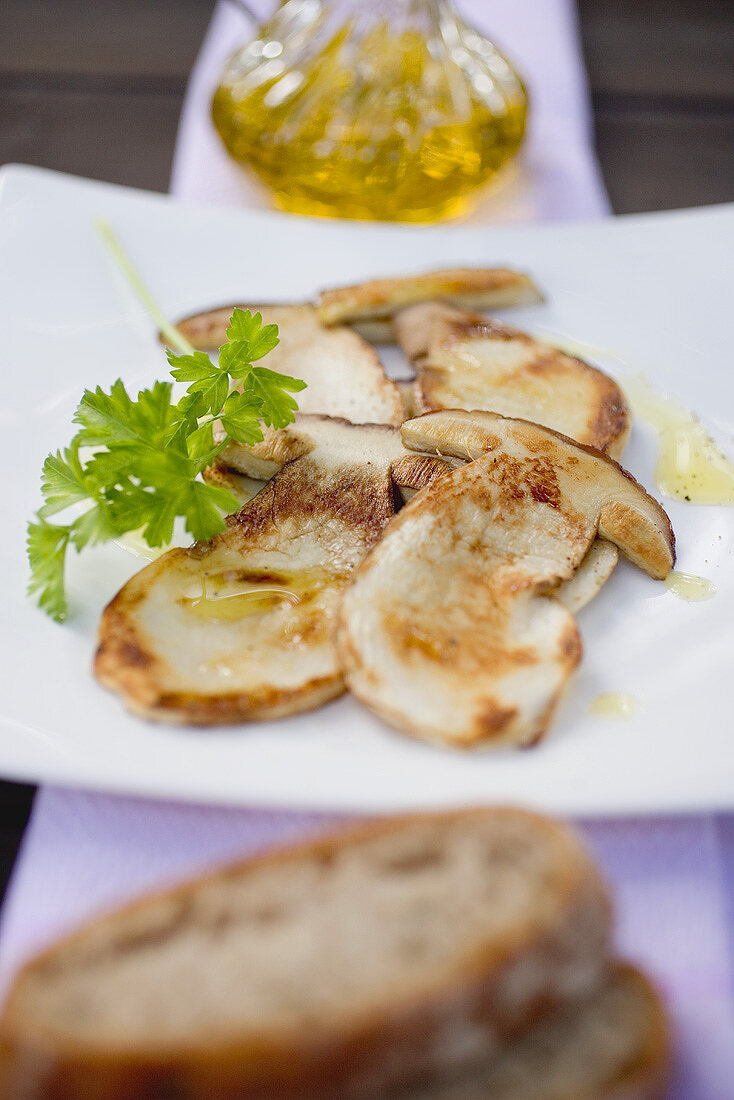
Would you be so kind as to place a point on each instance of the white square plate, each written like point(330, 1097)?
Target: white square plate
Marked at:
point(656, 289)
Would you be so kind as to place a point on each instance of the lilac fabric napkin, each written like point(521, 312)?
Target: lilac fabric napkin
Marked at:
point(673, 878)
point(84, 853)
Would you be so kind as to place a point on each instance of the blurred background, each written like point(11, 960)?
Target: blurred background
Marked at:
point(96, 89)
point(73, 73)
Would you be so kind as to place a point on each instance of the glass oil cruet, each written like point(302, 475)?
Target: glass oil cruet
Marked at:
point(381, 109)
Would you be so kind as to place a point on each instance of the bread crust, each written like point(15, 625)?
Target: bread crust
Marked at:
point(642, 1072)
point(562, 946)
point(646, 1076)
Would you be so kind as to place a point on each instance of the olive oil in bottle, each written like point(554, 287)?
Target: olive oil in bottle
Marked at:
point(390, 110)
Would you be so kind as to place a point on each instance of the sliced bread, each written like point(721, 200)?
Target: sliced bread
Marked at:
point(348, 967)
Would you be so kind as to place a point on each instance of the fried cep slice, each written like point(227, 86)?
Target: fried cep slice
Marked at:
point(371, 306)
point(446, 630)
point(344, 375)
point(259, 461)
point(464, 361)
point(241, 627)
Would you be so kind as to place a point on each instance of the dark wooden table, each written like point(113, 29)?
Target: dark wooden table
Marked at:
point(96, 89)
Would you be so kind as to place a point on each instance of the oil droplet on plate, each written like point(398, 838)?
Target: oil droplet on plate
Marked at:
point(690, 466)
point(612, 704)
point(687, 586)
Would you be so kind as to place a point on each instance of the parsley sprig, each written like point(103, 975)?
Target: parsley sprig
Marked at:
point(135, 462)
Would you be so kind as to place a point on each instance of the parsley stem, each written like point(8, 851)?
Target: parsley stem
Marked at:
point(123, 261)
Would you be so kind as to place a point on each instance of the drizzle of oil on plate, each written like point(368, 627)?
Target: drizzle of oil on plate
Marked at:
point(689, 586)
point(613, 704)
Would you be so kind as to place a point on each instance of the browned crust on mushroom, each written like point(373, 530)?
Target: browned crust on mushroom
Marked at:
point(124, 664)
point(417, 471)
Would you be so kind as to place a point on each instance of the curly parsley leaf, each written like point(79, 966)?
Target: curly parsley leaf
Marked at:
point(277, 407)
point(191, 367)
point(204, 506)
point(47, 543)
point(62, 481)
point(253, 339)
point(114, 419)
point(95, 525)
point(209, 384)
point(147, 453)
point(239, 418)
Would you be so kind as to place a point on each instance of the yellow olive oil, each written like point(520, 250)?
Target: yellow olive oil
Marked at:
point(227, 597)
point(688, 586)
point(690, 466)
point(375, 125)
point(613, 704)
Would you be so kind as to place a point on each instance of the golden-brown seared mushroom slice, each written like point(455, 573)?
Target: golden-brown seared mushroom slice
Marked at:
point(464, 361)
point(371, 306)
point(446, 630)
point(242, 627)
point(468, 362)
point(344, 375)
